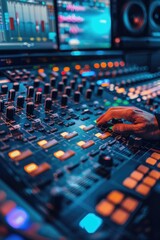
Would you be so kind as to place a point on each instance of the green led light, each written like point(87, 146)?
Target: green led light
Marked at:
point(125, 102)
point(107, 103)
point(115, 104)
point(119, 100)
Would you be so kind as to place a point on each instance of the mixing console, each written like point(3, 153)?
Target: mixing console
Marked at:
point(83, 182)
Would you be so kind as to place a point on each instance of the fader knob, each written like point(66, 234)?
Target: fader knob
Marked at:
point(20, 101)
point(60, 86)
point(47, 88)
point(30, 91)
point(84, 81)
point(36, 83)
point(150, 101)
point(4, 89)
point(64, 80)
point(92, 86)
point(68, 91)
point(64, 100)
point(10, 112)
point(72, 84)
point(30, 108)
point(105, 160)
point(80, 88)
point(16, 86)
point(1, 105)
point(11, 94)
point(88, 93)
point(54, 94)
point(100, 91)
point(77, 96)
point(48, 104)
point(38, 97)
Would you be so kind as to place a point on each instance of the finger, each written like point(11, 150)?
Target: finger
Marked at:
point(126, 114)
point(124, 128)
point(114, 108)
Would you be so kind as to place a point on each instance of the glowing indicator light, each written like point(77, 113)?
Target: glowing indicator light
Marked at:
point(88, 74)
point(55, 69)
point(18, 218)
point(90, 223)
point(77, 67)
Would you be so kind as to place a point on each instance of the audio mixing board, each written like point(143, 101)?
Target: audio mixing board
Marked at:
point(71, 179)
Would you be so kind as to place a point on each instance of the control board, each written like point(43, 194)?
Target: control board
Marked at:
point(83, 181)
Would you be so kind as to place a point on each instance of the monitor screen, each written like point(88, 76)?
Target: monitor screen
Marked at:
point(27, 24)
point(84, 24)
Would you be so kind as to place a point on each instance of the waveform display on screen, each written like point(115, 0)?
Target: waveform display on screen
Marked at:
point(84, 24)
point(29, 23)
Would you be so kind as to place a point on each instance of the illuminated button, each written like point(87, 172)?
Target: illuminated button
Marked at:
point(155, 156)
point(14, 154)
point(69, 135)
point(129, 183)
point(143, 189)
point(151, 161)
point(120, 216)
point(59, 154)
point(105, 208)
point(18, 218)
point(40, 169)
point(30, 167)
point(81, 143)
point(45, 145)
point(88, 144)
point(82, 127)
point(158, 165)
point(143, 169)
point(130, 204)
point(98, 135)
point(137, 175)
point(42, 142)
point(22, 155)
point(105, 135)
point(115, 197)
point(64, 134)
point(154, 174)
point(90, 223)
point(6, 207)
point(64, 155)
point(88, 128)
point(149, 181)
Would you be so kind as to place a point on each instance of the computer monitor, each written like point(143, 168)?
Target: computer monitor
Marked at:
point(27, 24)
point(84, 24)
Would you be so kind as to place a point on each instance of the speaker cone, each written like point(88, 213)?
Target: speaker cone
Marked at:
point(135, 17)
point(155, 15)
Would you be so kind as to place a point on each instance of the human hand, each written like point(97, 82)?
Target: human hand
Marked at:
point(143, 124)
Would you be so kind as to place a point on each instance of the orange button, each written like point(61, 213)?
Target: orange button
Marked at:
point(105, 208)
point(156, 156)
point(120, 216)
point(154, 174)
point(129, 183)
point(143, 169)
point(130, 204)
point(30, 167)
point(137, 175)
point(7, 207)
point(143, 189)
point(151, 161)
point(149, 181)
point(116, 197)
point(158, 165)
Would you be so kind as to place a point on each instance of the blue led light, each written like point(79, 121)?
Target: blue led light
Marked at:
point(100, 82)
point(14, 237)
point(18, 218)
point(90, 223)
point(88, 74)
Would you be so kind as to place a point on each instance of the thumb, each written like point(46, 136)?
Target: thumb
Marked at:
point(123, 128)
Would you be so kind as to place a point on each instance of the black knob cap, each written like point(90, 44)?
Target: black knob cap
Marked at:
point(48, 104)
point(30, 108)
point(1, 105)
point(30, 91)
point(77, 96)
point(36, 83)
point(75, 77)
point(53, 82)
point(46, 88)
point(92, 86)
point(100, 91)
point(80, 88)
point(16, 86)
point(105, 160)
point(54, 94)
point(11, 94)
point(38, 97)
point(84, 81)
point(4, 89)
point(64, 100)
point(65, 80)
point(150, 101)
point(68, 91)
point(20, 101)
point(60, 86)
point(72, 84)
point(88, 93)
point(10, 112)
